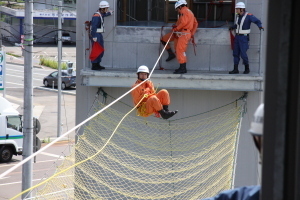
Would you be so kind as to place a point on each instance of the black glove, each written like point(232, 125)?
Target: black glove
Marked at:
point(261, 28)
point(231, 28)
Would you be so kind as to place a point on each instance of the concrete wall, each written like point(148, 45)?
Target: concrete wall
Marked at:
point(129, 47)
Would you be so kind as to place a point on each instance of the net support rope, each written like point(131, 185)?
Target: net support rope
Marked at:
point(151, 174)
point(83, 122)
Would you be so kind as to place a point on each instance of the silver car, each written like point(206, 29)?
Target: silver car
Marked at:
point(67, 79)
point(65, 38)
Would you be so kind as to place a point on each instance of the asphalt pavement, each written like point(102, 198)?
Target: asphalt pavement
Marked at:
point(45, 99)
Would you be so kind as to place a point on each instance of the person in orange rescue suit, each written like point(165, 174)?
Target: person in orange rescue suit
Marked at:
point(154, 102)
point(184, 30)
point(241, 40)
point(97, 28)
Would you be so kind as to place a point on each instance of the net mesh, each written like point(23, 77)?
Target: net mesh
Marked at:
point(146, 159)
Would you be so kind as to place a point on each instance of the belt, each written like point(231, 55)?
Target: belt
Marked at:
point(242, 34)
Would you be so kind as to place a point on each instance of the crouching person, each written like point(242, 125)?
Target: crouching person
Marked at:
point(156, 103)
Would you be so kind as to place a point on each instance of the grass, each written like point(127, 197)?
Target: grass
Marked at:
point(11, 54)
point(51, 63)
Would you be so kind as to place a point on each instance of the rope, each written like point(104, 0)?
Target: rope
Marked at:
point(41, 183)
point(82, 123)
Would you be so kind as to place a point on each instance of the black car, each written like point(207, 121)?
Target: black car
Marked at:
point(67, 80)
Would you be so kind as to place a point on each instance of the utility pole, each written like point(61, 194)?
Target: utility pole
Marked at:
point(3, 67)
point(28, 105)
point(59, 24)
point(0, 31)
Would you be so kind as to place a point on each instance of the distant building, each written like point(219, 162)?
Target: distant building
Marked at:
point(44, 18)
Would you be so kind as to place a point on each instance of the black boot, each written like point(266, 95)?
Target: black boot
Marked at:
point(167, 114)
point(235, 70)
point(166, 107)
point(101, 67)
point(171, 55)
point(247, 70)
point(181, 69)
point(95, 66)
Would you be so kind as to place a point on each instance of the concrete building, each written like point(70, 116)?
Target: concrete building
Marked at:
point(132, 38)
point(44, 18)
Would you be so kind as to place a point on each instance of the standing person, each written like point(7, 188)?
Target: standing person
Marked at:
point(157, 103)
point(248, 192)
point(184, 30)
point(97, 28)
point(241, 40)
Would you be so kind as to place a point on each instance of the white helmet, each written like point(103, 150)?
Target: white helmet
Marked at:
point(103, 4)
point(143, 68)
point(180, 3)
point(240, 5)
point(258, 123)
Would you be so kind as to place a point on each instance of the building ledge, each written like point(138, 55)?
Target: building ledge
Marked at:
point(194, 79)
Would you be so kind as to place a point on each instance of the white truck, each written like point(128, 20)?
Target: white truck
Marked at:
point(11, 131)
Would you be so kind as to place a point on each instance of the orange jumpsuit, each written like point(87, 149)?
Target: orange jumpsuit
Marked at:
point(187, 24)
point(153, 103)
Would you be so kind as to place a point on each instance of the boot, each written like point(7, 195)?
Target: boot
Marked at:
point(166, 107)
point(171, 55)
point(95, 66)
point(167, 114)
point(247, 70)
point(235, 70)
point(181, 69)
point(101, 67)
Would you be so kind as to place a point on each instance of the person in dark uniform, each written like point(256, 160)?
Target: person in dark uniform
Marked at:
point(97, 28)
point(241, 40)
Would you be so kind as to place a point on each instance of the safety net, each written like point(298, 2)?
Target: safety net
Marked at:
point(119, 156)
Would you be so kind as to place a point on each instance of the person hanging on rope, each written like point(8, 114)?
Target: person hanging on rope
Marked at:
point(153, 102)
point(241, 40)
point(184, 30)
point(248, 192)
point(97, 28)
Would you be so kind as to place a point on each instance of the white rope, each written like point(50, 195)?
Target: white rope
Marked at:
point(80, 124)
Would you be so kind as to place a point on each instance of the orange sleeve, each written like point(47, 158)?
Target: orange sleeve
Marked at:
point(195, 26)
point(138, 93)
point(150, 87)
point(186, 19)
point(183, 20)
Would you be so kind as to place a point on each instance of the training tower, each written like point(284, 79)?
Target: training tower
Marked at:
point(206, 86)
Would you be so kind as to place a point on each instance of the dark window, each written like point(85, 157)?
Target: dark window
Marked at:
point(159, 12)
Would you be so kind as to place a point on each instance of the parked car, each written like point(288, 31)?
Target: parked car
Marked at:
point(65, 38)
point(67, 80)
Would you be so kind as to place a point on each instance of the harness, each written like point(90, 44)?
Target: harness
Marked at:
point(101, 29)
point(239, 27)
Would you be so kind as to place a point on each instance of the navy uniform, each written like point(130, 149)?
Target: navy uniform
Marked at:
point(241, 40)
point(242, 193)
point(97, 28)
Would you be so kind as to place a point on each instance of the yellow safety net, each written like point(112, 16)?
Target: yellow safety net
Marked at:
point(149, 160)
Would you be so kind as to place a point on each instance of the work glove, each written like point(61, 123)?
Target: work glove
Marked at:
point(193, 40)
point(231, 28)
point(95, 39)
point(261, 28)
point(175, 30)
point(111, 12)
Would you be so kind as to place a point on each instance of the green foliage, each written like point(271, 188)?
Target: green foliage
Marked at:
point(51, 63)
point(11, 54)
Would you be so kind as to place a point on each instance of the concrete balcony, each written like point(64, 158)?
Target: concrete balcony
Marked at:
point(194, 79)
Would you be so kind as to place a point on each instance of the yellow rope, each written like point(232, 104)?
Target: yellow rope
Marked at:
point(145, 96)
